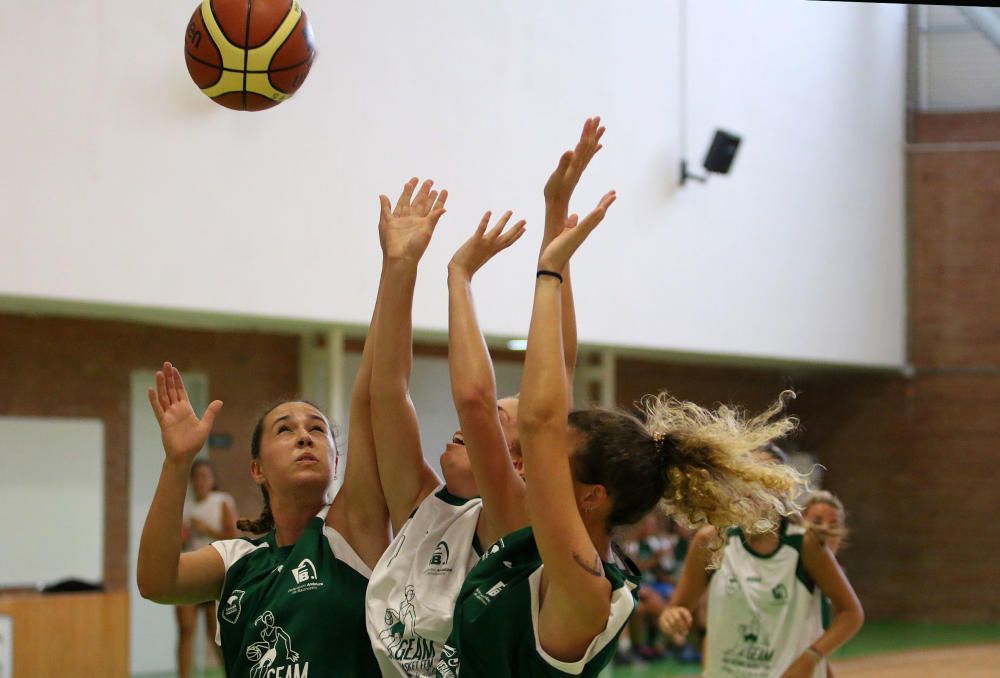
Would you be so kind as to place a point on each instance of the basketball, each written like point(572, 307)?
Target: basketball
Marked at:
point(248, 55)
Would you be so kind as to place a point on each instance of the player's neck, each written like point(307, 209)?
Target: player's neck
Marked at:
point(599, 536)
point(291, 516)
point(764, 543)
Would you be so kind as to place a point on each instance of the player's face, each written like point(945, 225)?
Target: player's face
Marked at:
point(508, 422)
point(455, 464)
point(826, 516)
point(202, 481)
point(296, 448)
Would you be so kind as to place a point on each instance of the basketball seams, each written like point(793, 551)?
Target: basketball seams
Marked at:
point(261, 82)
point(246, 52)
point(238, 70)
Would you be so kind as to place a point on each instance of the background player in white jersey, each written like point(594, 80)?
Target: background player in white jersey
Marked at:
point(824, 513)
point(764, 602)
point(449, 523)
point(208, 515)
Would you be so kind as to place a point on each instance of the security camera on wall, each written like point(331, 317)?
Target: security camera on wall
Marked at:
point(719, 158)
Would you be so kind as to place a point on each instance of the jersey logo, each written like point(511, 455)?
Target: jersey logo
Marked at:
point(441, 553)
point(493, 549)
point(493, 592)
point(733, 586)
point(411, 651)
point(305, 577)
point(264, 653)
point(438, 563)
point(234, 606)
point(780, 592)
point(306, 571)
point(751, 650)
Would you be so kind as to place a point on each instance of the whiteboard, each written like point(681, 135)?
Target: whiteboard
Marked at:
point(52, 491)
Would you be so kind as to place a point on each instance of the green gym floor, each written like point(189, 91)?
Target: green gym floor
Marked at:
point(875, 638)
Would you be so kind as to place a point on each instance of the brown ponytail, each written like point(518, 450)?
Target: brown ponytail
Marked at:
point(264, 522)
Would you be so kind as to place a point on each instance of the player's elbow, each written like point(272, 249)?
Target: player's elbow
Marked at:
point(474, 400)
point(151, 590)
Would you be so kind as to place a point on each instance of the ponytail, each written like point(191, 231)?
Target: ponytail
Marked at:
point(715, 472)
point(264, 522)
point(701, 466)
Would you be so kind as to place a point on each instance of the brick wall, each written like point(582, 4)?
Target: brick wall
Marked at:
point(914, 459)
point(64, 367)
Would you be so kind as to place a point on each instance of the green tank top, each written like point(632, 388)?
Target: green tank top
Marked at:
point(495, 622)
point(294, 611)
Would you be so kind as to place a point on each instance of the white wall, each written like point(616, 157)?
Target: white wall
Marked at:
point(121, 180)
point(52, 494)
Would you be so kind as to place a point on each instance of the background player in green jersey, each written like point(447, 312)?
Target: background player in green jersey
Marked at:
point(290, 593)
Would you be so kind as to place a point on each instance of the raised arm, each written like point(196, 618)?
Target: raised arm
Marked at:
point(558, 191)
point(404, 233)
point(359, 511)
point(577, 602)
point(473, 383)
point(163, 573)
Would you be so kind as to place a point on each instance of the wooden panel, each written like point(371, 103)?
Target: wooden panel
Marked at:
point(946, 127)
point(68, 634)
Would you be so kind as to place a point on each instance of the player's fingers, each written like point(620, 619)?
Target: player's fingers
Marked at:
point(483, 223)
point(513, 235)
point(154, 402)
point(429, 203)
point(441, 200)
point(210, 412)
point(385, 208)
point(161, 389)
point(420, 205)
point(498, 228)
point(435, 216)
point(403, 203)
point(179, 385)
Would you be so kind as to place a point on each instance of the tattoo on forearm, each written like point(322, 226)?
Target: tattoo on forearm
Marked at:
point(592, 568)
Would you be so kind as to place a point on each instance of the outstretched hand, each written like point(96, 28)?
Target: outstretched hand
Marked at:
point(183, 433)
point(405, 231)
point(558, 252)
point(483, 245)
point(561, 184)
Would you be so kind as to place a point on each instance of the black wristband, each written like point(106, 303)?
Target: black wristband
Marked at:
point(554, 274)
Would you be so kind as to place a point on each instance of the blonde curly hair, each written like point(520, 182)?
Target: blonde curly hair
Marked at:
point(701, 466)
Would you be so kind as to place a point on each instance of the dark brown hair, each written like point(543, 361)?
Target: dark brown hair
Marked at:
point(265, 522)
point(698, 464)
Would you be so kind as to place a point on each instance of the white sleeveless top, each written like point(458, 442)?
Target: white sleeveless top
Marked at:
point(208, 511)
point(414, 586)
point(763, 611)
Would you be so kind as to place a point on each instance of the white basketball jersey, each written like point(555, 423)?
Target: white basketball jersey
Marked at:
point(763, 610)
point(413, 589)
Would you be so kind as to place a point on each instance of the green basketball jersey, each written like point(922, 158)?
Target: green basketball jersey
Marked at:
point(294, 611)
point(495, 622)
